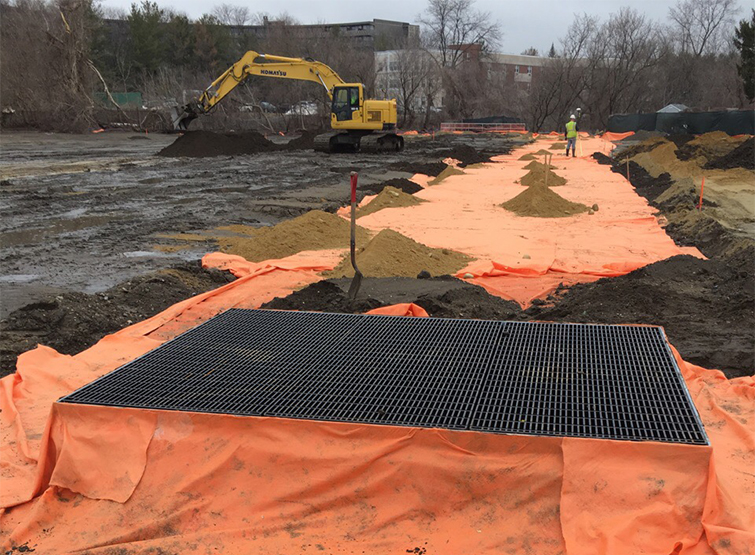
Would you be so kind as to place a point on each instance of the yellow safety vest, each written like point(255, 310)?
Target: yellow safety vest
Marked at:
point(571, 130)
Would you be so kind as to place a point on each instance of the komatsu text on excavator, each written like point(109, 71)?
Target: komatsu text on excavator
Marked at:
point(358, 124)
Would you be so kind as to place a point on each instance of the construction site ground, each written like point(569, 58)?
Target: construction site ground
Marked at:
point(98, 232)
point(115, 243)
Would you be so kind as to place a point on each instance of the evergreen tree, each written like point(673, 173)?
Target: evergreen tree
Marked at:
point(213, 46)
point(552, 51)
point(147, 36)
point(744, 40)
point(179, 38)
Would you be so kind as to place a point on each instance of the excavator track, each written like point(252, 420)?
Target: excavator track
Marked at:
point(322, 142)
point(390, 142)
point(351, 142)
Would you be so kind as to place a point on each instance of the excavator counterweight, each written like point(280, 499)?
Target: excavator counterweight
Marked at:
point(358, 124)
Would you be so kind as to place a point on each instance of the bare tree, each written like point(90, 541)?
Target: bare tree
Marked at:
point(454, 23)
point(624, 53)
point(701, 25)
point(228, 14)
point(565, 78)
point(413, 69)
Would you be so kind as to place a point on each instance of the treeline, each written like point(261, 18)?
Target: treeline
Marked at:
point(58, 54)
point(631, 64)
point(61, 55)
point(700, 57)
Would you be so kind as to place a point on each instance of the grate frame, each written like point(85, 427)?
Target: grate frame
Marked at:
point(528, 378)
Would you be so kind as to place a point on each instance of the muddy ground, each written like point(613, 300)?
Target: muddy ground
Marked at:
point(85, 212)
point(81, 216)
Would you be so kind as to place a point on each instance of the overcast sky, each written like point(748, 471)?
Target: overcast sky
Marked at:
point(525, 23)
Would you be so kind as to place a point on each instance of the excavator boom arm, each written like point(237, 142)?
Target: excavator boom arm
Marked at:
point(280, 67)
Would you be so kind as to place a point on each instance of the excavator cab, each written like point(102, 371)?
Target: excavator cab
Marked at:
point(346, 101)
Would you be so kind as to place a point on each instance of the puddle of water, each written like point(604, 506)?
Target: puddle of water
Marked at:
point(75, 213)
point(19, 278)
point(147, 254)
point(57, 227)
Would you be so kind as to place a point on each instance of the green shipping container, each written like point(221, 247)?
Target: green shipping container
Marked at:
point(124, 99)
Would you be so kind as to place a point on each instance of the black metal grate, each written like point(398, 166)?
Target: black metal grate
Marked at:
point(580, 380)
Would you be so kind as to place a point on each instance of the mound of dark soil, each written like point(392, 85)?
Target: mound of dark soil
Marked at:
point(203, 144)
point(467, 155)
point(646, 185)
point(688, 152)
point(323, 296)
point(707, 308)
point(693, 228)
point(602, 158)
point(305, 141)
point(441, 297)
point(73, 322)
point(433, 169)
point(469, 301)
point(680, 139)
point(402, 184)
point(741, 157)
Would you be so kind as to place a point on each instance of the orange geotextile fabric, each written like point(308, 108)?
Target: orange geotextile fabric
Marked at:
point(463, 213)
point(401, 309)
point(144, 481)
point(608, 136)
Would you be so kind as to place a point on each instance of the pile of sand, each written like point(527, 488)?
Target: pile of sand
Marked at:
point(662, 158)
point(448, 172)
point(390, 254)
point(537, 164)
point(314, 230)
point(535, 155)
point(558, 146)
point(541, 202)
point(202, 144)
point(389, 197)
point(647, 145)
point(537, 174)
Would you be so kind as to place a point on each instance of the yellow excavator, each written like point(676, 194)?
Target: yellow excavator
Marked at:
point(359, 124)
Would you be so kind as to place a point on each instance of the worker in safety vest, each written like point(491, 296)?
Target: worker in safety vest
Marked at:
point(571, 135)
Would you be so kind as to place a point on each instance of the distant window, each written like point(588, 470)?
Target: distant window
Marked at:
point(516, 70)
point(529, 70)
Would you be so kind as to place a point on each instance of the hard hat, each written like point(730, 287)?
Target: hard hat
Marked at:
point(572, 116)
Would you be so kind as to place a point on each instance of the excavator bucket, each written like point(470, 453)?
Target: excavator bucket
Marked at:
point(182, 116)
